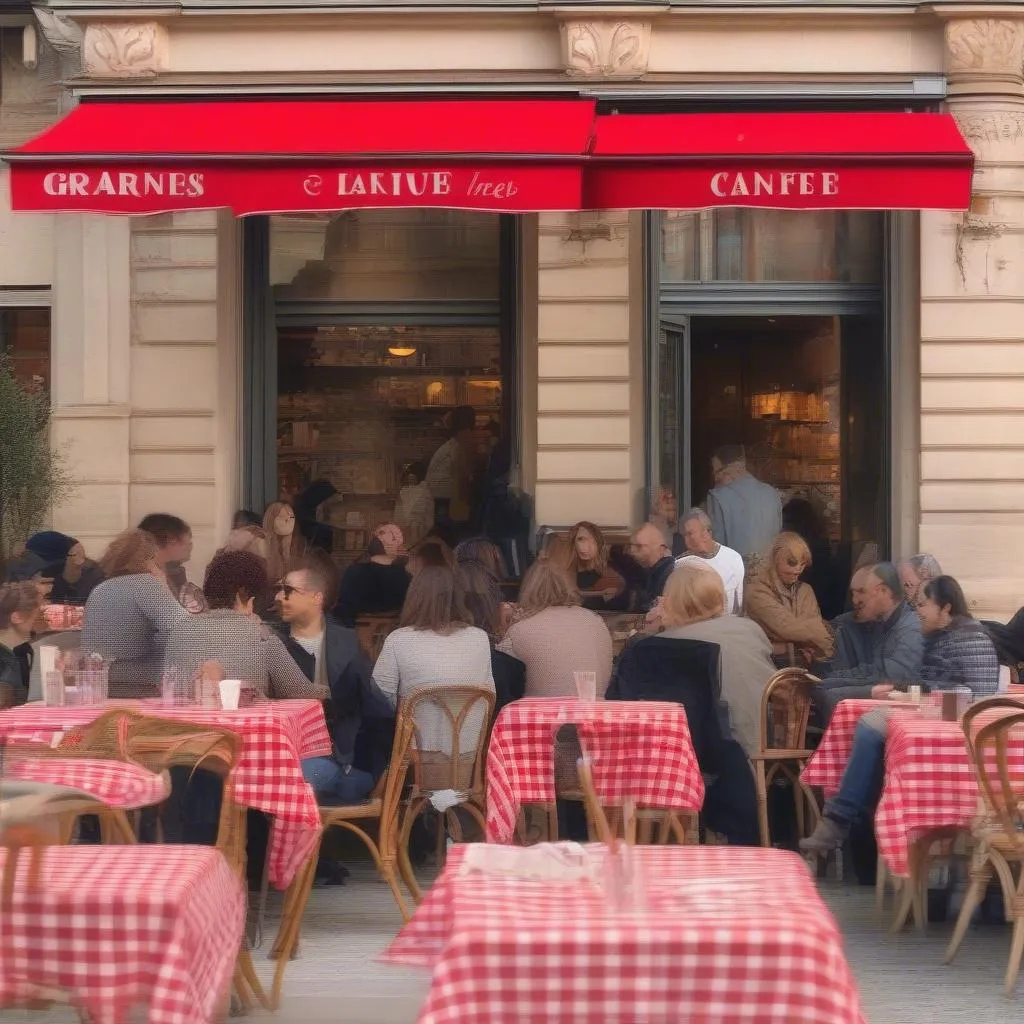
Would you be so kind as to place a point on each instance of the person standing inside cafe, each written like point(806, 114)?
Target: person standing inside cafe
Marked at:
point(745, 513)
point(450, 476)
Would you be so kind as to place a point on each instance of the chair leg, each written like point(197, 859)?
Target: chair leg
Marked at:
point(761, 784)
point(980, 877)
point(1016, 952)
point(881, 879)
point(290, 939)
point(412, 811)
point(798, 802)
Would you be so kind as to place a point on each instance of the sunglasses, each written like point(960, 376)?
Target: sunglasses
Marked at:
point(287, 589)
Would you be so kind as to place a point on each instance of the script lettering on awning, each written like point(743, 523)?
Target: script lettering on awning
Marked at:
point(774, 183)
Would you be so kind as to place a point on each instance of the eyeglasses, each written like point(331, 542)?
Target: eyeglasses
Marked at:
point(287, 589)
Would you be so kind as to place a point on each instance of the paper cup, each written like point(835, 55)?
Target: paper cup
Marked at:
point(230, 691)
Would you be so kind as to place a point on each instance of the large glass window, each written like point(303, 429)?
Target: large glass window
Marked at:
point(25, 338)
point(389, 327)
point(763, 246)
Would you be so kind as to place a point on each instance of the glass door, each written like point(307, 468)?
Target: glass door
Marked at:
point(670, 429)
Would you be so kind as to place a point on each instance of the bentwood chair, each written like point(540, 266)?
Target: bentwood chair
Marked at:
point(161, 744)
point(785, 709)
point(996, 750)
point(451, 761)
point(372, 631)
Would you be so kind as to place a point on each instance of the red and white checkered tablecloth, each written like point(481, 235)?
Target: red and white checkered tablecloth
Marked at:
point(114, 783)
point(929, 784)
point(276, 737)
point(120, 926)
point(826, 767)
point(520, 759)
point(730, 936)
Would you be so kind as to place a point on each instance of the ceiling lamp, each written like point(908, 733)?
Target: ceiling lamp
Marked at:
point(401, 351)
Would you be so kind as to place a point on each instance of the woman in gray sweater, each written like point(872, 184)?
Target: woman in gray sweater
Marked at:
point(130, 615)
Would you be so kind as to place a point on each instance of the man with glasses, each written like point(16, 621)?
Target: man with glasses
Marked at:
point(329, 654)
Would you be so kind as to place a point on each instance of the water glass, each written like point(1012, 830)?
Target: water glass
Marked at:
point(53, 689)
point(586, 685)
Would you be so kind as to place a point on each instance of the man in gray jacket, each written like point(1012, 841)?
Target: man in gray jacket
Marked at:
point(895, 646)
point(746, 514)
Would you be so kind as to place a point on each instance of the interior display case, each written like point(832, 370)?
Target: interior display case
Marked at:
point(357, 404)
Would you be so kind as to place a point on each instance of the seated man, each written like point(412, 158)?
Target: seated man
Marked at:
point(651, 552)
point(329, 654)
point(889, 653)
point(702, 547)
point(957, 652)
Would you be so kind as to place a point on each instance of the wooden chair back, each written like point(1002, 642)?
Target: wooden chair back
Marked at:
point(372, 631)
point(161, 744)
point(104, 737)
point(462, 713)
point(785, 710)
point(1000, 778)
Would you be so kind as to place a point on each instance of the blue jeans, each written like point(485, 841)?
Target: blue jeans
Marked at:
point(862, 781)
point(330, 779)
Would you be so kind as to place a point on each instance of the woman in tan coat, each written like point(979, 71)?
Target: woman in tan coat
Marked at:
point(785, 608)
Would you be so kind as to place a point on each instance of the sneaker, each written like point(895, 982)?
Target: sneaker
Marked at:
point(828, 836)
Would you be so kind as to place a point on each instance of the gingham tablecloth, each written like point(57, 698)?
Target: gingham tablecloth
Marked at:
point(114, 927)
point(114, 783)
point(520, 759)
point(276, 737)
point(731, 936)
point(826, 767)
point(929, 784)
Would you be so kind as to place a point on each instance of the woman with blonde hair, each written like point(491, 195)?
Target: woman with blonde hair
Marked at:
point(285, 546)
point(785, 607)
point(693, 608)
point(130, 615)
point(602, 587)
point(555, 638)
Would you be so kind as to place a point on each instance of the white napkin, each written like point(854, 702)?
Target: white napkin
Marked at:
point(545, 862)
point(445, 799)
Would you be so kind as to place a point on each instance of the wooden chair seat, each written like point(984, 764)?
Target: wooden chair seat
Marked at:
point(330, 815)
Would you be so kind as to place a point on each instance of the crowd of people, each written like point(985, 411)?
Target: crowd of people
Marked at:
point(712, 624)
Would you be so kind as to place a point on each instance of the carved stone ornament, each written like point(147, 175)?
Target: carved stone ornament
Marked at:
point(987, 46)
point(606, 48)
point(134, 49)
point(60, 32)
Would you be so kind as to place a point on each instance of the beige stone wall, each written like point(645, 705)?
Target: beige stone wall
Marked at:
point(972, 331)
point(588, 348)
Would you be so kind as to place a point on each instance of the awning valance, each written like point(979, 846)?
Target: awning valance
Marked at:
point(793, 161)
point(513, 156)
point(257, 156)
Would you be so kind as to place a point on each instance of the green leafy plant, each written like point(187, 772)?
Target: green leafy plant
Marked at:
point(33, 474)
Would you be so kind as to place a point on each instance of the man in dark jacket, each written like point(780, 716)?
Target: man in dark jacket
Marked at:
point(329, 653)
point(652, 553)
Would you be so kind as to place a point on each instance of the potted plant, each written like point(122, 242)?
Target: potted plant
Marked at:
point(33, 474)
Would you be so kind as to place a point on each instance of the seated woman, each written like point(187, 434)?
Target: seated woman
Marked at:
point(693, 608)
point(232, 635)
point(435, 645)
point(377, 585)
point(957, 652)
point(19, 606)
point(786, 608)
point(130, 615)
point(554, 637)
point(603, 588)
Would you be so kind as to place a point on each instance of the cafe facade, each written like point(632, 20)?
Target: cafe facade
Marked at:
point(282, 243)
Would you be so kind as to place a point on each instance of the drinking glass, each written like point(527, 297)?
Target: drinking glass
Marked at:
point(586, 685)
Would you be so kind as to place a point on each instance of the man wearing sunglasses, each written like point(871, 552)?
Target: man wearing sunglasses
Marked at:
point(329, 654)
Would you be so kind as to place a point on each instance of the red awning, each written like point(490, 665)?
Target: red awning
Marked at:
point(257, 156)
point(794, 161)
point(511, 156)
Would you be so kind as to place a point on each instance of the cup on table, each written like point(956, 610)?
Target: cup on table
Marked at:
point(230, 693)
point(914, 693)
point(964, 699)
point(586, 685)
point(53, 689)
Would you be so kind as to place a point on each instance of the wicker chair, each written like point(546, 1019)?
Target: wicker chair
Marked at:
point(30, 820)
point(999, 832)
point(785, 708)
point(161, 744)
point(455, 768)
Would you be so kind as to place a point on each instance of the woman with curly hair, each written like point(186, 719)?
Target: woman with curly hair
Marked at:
point(130, 615)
